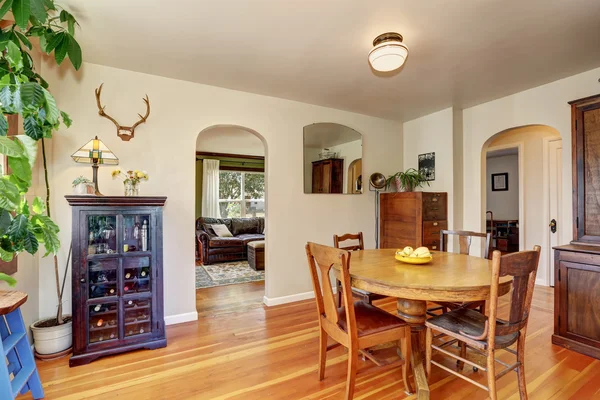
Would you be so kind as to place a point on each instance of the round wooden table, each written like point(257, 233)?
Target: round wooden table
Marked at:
point(448, 277)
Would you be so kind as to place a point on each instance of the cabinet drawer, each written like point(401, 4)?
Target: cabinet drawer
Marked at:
point(431, 229)
point(434, 206)
point(432, 243)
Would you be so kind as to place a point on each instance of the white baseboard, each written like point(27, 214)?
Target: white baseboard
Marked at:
point(275, 301)
point(181, 318)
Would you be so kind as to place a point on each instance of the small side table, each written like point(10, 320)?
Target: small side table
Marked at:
point(15, 345)
point(256, 255)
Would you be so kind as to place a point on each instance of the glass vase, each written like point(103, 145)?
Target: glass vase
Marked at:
point(128, 188)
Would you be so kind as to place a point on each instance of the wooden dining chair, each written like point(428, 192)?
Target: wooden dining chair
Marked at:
point(355, 325)
point(359, 244)
point(464, 239)
point(486, 334)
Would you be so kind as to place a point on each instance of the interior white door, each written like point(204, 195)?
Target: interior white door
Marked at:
point(555, 200)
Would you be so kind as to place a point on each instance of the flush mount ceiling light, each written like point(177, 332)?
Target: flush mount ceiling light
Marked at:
point(389, 53)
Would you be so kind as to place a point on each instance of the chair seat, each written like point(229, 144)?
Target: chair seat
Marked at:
point(369, 319)
point(470, 322)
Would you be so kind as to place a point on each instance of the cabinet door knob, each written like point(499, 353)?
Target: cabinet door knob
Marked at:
point(435, 224)
point(82, 280)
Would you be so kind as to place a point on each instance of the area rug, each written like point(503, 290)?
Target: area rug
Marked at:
point(226, 274)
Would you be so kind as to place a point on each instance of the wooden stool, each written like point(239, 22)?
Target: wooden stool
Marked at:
point(15, 346)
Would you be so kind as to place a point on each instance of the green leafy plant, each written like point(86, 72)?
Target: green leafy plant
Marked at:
point(23, 91)
point(409, 180)
point(82, 179)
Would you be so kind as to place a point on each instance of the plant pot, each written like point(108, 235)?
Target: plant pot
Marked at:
point(52, 339)
point(83, 188)
point(398, 183)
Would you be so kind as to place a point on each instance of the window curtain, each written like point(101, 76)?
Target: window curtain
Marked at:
point(210, 189)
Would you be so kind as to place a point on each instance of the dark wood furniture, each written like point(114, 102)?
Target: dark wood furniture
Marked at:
point(256, 255)
point(486, 334)
point(412, 219)
point(464, 240)
point(355, 325)
point(359, 244)
point(505, 234)
point(328, 176)
point(577, 266)
point(117, 275)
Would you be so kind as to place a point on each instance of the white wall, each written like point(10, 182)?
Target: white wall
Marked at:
point(230, 140)
point(165, 147)
point(433, 133)
point(504, 204)
point(543, 105)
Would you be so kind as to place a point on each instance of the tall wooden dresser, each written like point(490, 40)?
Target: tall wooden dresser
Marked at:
point(577, 266)
point(412, 219)
point(328, 176)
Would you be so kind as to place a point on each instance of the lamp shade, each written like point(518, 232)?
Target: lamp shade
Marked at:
point(95, 152)
point(388, 53)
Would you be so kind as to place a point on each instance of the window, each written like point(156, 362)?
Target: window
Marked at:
point(241, 194)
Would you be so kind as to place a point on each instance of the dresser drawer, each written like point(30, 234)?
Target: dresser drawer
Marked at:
point(434, 206)
point(431, 229)
point(432, 243)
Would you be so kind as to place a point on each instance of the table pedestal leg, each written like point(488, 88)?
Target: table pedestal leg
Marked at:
point(415, 313)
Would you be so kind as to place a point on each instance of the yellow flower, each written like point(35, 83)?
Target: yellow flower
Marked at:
point(140, 174)
point(116, 172)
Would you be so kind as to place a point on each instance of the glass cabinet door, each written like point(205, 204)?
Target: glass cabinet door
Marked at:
point(102, 234)
point(138, 316)
point(136, 275)
point(103, 322)
point(136, 233)
point(102, 277)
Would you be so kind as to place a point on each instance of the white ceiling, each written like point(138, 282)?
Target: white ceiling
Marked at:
point(462, 52)
point(230, 140)
point(326, 134)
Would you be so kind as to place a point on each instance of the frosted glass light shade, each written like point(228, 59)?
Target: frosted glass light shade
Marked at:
point(388, 53)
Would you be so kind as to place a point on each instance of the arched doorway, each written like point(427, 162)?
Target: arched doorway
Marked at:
point(231, 211)
point(517, 171)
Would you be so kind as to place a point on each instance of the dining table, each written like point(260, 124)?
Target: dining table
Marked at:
point(448, 277)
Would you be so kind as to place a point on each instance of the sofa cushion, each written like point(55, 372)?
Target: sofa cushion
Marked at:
point(209, 230)
point(226, 242)
point(244, 225)
point(221, 230)
point(250, 237)
point(210, 221)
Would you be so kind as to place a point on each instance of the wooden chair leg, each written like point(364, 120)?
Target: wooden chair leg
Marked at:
point(521, 369)
point(491, 374)
point(463, 354)
point(352, 367)
point(406, 349)
point(322, 354)
point(428, 342)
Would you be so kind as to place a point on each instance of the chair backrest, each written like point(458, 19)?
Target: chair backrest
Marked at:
point(349, 236)
point(464, 240)
point(320, 261)
point(522, 267)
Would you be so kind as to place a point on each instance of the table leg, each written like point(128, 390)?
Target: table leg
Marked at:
point(415, 313)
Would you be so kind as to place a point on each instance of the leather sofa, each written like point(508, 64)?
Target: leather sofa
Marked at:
point(214, 249)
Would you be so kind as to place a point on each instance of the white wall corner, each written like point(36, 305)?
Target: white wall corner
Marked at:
point(276, 301)
point(181, 318)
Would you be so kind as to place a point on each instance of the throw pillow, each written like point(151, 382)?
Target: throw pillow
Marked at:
point(221, 230)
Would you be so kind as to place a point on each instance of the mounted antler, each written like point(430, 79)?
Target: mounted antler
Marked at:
point(124, 132)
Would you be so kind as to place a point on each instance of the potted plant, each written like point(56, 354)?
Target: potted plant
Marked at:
point(406, 181)
point(23, 91)
point(82, 185)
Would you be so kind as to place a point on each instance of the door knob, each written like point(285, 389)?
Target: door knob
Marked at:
point(553, 226)
point(82, 280)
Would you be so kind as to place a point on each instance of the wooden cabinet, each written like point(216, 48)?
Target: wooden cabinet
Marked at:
point(117, 275)
point(412, 219)
point(328, 176)
point(577, 266)
point(577, 298)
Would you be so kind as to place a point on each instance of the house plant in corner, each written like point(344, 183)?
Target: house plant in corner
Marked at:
point(406, 181)
point(23, 227)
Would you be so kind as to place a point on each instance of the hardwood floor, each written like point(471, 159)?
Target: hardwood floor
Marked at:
point(240, 349)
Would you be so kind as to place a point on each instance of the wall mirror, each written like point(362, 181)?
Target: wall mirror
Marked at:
point(332, 159)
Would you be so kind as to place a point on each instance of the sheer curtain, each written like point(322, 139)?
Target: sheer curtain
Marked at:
point(210, 189)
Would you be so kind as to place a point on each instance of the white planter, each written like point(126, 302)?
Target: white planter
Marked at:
point(83, 188)
point(54, 339)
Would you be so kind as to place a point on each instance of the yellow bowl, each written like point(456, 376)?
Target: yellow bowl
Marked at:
point(414, 260)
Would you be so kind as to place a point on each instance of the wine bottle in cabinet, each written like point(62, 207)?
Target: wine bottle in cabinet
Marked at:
point(117, 275)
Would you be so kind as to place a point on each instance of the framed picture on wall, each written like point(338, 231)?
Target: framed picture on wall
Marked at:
point(500, 182)
point(427, 166)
